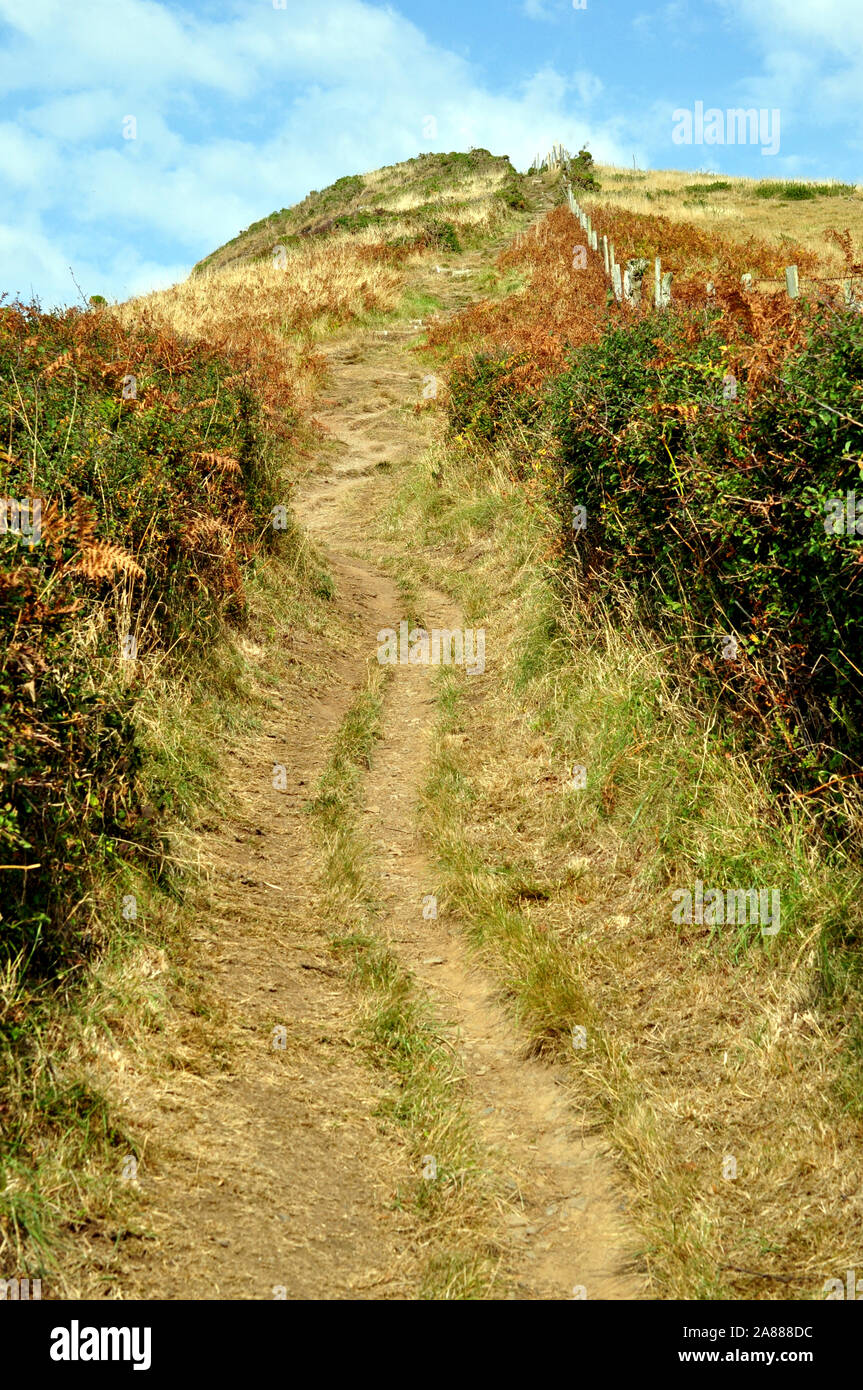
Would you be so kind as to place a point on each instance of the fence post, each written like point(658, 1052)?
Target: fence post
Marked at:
point(605, 260)
point(746, 280)
point(791, 284)
point(632, 279)
point(666, 288)
point(616, 282)
point(657, 282)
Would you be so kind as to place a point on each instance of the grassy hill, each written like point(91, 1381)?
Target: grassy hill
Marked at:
point(737, 208)
point(437, 198)
point(168, 439)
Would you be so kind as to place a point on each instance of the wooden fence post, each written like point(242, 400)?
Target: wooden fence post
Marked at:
point(605, 260)
point(632, 278)
point(616, 281)
point(791, 283)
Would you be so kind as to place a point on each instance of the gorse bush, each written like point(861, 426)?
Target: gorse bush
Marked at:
point(481, 401)
point(156, 493)
point(580, 171)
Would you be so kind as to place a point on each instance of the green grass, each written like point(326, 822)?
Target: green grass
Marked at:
point(720, 186)
point(797, 192)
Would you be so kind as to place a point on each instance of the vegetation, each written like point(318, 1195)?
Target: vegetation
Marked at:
point(159, 490)
point(695, 645)
point(797, 192)
point(703, 444)
point(471, 193)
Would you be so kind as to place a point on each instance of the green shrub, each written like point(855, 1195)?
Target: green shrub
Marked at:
point(580, 170)
point(719, 187)
point(481, 403)
point(156, 493)
point(713, 512)
point(797, 192)
point(441, 234)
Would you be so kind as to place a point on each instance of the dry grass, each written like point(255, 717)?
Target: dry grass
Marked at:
point(737, 212)
point(274, 311)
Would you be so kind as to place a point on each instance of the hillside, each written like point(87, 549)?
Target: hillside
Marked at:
point(531, 973)
point(434, 198)
point(800, 210)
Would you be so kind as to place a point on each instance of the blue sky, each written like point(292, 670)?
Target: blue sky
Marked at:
point(240, 107)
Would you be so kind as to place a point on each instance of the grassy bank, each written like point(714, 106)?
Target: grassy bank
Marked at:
point(132, 613)
point(722, 1063)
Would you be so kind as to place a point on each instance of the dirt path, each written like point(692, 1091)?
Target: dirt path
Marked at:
point(566, 1220)
point(266, 1170)
point(267, 1173)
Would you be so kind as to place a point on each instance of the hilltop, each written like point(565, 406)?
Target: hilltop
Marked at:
point(436, 197)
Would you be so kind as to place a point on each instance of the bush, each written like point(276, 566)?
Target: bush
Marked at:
point(155, 494)
point(712, 512)
point(481, 401)
point(441, 234)
point(580, 171)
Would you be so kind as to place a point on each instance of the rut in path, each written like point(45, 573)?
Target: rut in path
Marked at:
point(266, 1169)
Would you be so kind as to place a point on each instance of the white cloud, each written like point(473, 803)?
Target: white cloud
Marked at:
point(236, 116)
point(833, 25)
point(812, 56)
